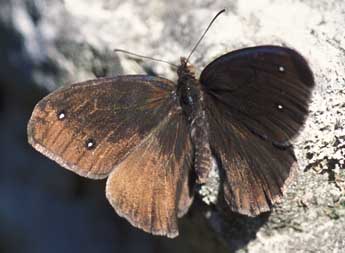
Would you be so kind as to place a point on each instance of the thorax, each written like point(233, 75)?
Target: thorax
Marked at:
point(189, 93)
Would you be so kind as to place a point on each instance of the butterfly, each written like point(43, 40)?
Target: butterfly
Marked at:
point(150, 136)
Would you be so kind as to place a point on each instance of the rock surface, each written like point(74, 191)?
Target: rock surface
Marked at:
point(45, 44)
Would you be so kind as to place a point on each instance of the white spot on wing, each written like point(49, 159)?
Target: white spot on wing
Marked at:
point(61, 115)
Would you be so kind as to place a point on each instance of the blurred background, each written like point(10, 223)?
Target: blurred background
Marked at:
point(45, 44)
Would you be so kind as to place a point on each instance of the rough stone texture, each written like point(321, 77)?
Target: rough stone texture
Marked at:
point(48, 43)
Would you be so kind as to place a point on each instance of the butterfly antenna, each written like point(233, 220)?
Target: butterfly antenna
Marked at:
point(203, 35)
point(143, 56)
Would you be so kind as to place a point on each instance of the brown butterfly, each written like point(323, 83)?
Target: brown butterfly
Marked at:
point(148, 134)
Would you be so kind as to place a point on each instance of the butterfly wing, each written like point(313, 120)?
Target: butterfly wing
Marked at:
point(255, 170)
point(131, 128)
point(149, 188)
point(267, 88)
point(90, 127)
point(257, 101)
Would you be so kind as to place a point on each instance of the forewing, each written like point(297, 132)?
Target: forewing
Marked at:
point(266, 88)
point(257, 100)
point(92, 126)
point(150, 188)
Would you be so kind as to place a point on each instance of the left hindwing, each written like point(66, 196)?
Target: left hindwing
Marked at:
point(150, 188)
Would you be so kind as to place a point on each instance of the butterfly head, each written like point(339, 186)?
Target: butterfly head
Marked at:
point(185, 69)
point(183, 61)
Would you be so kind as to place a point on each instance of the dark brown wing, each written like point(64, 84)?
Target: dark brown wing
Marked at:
point(267, 88)
point(257, 101)
point(92, 126)
point(256, 170)
point(149, 187)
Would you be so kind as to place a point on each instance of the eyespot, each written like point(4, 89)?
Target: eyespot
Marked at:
point(280, 107)
point(90, 144)
point(61, 115)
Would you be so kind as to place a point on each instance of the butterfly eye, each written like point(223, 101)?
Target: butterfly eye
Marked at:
point(90, 144)
point(61, 115)
point(281, 69)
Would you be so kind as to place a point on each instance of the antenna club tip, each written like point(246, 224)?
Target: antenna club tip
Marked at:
point(220, 12)
point(203, 35)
